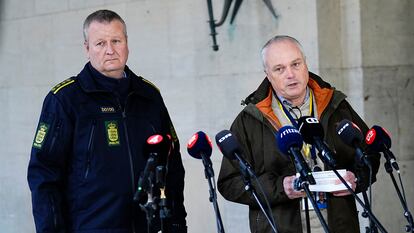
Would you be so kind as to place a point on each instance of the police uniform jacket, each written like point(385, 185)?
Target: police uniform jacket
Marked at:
point(89, 151)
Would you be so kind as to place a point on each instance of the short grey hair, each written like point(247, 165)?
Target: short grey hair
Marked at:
point(276, 39)
point(101, 16)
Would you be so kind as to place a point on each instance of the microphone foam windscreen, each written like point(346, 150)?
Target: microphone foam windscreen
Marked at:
point(349, 132)
point(199, 144)
point(288, 137)
point(310, 128)
point(378, 139)
point(158, 145)
point(227, 143)
point(155, 144)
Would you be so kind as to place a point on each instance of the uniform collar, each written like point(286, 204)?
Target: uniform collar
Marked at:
point(108, 83)
point(88, 83)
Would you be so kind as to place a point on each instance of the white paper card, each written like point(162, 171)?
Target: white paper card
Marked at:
point(325, 181)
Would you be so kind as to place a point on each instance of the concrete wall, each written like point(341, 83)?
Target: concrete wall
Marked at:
point(41, 44)
point(366, 49)
point(388, 63)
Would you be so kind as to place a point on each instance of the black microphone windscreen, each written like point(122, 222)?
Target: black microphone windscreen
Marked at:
point(199, 144)
point(288, 137)
point(159, 146)
point(227, 143)
point(349, 132)
point(378, 139)
point(155, 144)
point(310, 128)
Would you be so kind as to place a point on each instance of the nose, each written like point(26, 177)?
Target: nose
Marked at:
point(289, 72)
point(109, 49)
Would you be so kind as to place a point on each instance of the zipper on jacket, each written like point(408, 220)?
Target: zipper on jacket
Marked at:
point(129, 151)
point(52, 203)
point(55, 135)
point(89, 150)
point(131, 165)
point(124, 117)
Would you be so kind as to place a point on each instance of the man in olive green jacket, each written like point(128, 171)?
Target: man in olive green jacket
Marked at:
point(289, 85)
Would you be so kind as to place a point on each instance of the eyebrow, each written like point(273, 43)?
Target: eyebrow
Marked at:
point(281, 65)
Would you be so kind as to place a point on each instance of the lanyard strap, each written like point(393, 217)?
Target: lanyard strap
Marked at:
point(287, 113)
point(307, 149)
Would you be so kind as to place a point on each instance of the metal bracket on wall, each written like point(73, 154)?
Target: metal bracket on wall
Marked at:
point(226, 9)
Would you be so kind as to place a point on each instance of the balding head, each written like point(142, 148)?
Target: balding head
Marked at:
point(277, 39)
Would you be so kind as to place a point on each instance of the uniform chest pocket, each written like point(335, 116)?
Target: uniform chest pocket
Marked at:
point(100, 142)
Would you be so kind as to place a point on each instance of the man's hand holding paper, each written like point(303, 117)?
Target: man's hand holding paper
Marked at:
point(327, 181)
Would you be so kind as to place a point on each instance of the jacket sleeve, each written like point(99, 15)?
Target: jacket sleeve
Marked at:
point(230, 182)
point(175, 180)
point(47, 166)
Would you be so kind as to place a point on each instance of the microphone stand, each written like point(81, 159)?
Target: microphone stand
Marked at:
point(248, 187)
point(149, 207)
point(366, 209)
point(209, 173)
point(372, 228)
point(306, 178)
point(160, 180)
point(407, 214)
point(308, 228)
point(304, 183)
point(145, 183)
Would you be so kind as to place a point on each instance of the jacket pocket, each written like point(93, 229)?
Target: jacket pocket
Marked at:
point(55, 136)
point(89, 150)
point(54, 212)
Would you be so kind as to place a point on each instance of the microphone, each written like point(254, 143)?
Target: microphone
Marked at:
point(352, 136)
point(156, 147)
point(379, 140)
point(312, 133)
point(229, 147)
point(200, 147)
point(290, 143)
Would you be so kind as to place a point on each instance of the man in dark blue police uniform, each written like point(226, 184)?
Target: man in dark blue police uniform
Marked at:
point(90, 145)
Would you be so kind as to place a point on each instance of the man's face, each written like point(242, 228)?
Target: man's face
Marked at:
point(107, 47)
point(287, 71)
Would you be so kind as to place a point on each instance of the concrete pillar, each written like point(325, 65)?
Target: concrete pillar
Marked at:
point(365, 49)
point(387, 48)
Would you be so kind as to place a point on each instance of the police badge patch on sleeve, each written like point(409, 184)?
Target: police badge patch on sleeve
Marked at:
point(112, 133)
point(40, 135)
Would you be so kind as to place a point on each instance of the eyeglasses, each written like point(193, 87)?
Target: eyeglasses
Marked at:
point(296, 112)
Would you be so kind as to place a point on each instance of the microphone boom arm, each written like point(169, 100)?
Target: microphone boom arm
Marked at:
point(248, 187)
point(304, 183)
point(209, 173)
point(407, 213)
point(367, 209)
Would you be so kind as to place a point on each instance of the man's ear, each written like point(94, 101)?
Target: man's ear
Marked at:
point(86, 46)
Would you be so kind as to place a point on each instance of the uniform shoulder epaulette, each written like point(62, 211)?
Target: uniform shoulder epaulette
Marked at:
point(62, 84)
point(150, 83)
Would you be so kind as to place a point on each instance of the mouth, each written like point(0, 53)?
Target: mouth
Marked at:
point(292, 84)
point(110, 60)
